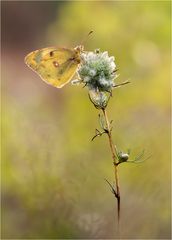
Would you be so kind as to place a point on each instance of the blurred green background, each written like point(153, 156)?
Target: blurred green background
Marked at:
point(52, 174)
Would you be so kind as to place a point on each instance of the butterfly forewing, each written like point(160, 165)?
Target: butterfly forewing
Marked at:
point(56, 66)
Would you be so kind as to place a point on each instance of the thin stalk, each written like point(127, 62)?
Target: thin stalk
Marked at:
point(115, 164)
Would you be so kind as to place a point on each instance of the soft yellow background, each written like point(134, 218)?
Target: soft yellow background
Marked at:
point(52, 174)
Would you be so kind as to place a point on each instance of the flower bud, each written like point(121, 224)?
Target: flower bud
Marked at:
point(99, 99)
point(123, 157)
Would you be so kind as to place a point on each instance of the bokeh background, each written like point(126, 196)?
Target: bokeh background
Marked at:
point(52, 174)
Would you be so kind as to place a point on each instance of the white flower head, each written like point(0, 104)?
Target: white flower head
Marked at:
point(97, 70)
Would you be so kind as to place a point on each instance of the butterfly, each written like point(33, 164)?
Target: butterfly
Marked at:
point(56, 66)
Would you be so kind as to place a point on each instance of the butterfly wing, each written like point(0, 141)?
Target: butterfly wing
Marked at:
point(56, 66)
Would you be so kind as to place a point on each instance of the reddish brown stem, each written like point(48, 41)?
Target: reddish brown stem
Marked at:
point(115, 164)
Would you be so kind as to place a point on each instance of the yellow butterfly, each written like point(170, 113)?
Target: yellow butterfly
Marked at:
point(56, 66)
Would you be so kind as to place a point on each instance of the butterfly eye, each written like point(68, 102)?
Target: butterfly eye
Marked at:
point(56, 64)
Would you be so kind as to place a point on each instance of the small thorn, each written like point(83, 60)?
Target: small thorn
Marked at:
point(112, 188)
point(121, 84)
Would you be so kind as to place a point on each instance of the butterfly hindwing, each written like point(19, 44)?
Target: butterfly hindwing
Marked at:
point(56, 66)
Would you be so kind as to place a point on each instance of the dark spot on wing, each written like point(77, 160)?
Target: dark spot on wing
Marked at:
point(51, 54)
point(56, 64)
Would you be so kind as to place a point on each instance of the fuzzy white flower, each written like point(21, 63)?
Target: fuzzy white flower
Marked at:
point(92, 72)
point(97, 70)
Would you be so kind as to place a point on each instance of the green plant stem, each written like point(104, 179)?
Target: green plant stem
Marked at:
point(115, 163)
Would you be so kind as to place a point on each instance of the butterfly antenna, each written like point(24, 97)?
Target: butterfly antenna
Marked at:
point(86, 37)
